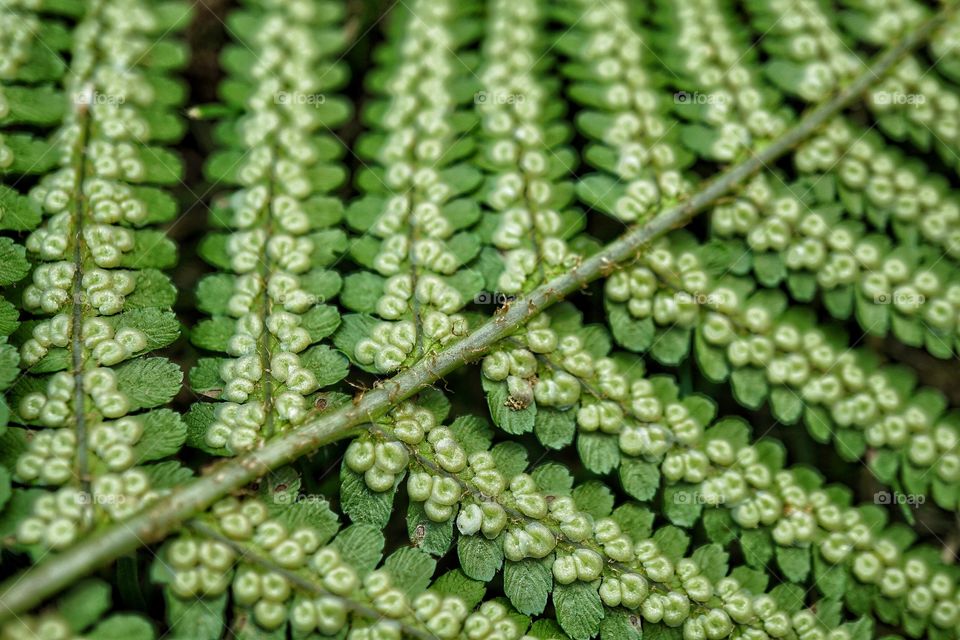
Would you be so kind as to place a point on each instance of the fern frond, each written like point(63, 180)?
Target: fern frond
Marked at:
point(825, 237)
point(812, 58)
point(929, 108)
point(416, 225)
point(525, 155)
point(550, 536)
point(789, 244)
point(29, 107)
point(623, 115)
point(707, 470)
point(280, 561)
point(99, 301)
point(280, 239)
point(786, 227)
point(553, 376)
point(644, 318)
point(721, 96)
point(770, 350)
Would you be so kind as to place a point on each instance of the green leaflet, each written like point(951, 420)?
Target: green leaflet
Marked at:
point(795, 563)
point(640, 479)
point(269, 306)
point(508, 411)
point(362, 504)
point(415, 283)
point(311, 568)
point(579, 610)
point(200, 619)
point(479, 558)
point(527, 584)
point(95, 300)
point(362, 543)
point(760, 350)
point(620, 625)
point(431, 537)
point(411, 569)
point(15, 265)
point(455, 583)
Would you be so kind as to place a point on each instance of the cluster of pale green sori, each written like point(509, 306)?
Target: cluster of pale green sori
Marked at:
point(877, 184)
point(525, 188)
point(553, 365)
point(815, 237)
point(523, 152)
point(912, 102)
point(640, 426)
point(411, 216)
point(547, 536)
point(718, 467)
point(851, 543)
point(943, 44)
point(767, 349)
point(930, 118)
point(601, 398)
point(29, 108)
point(786, 235)
point(289, 567)
point(267, 305)
point(640, 304)
point(97, 297)
point(624, 114)
point(718, 85)
point(811, 60)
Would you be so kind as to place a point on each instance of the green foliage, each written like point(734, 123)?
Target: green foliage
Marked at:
point(95, 300)
point(277, 233)
point(625, 464)
point(416, 221)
